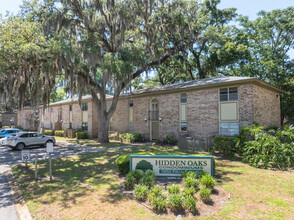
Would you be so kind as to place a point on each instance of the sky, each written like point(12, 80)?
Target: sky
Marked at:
point(244, 7)
point(250, 8)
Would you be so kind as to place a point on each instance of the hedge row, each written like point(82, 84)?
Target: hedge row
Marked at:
point(131, 137)
point(260, 147)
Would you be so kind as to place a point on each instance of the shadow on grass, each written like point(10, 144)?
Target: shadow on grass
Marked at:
point(82, 175)
point(74, 177)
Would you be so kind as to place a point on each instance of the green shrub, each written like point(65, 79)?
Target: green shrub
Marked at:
point(189, 173)
point(189, 192)
point(204, 194)
point(176, 202)
point(130, 181)
point(158, 204)
point(141, 192)
point(147, 180)
point(226, 145)
point(81, 135)
point(131, 137)
point(169, 139)
point(272, 127)
point(264, 148)
point(149, 173)
point(190, 204)
point(123, 164)
point(60, 133)
point(137, 174)
point(156, 192)
point(269, 149)
point(191, 181)
point(173, 189)
point(48, 132)
point(208, 181)
point(201, 174)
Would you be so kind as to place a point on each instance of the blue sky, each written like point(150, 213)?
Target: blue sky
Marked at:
point(251, 7)
point(244, 7)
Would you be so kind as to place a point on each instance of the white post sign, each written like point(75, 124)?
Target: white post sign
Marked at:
point(49, 147)
point(25, 155)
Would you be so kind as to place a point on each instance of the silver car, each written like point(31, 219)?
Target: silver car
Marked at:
point(28, 139)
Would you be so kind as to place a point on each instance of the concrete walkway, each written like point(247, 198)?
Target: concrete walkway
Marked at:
point(78, 149)
point(7, 207)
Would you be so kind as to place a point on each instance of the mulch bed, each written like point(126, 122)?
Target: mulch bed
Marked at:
point(219, 199)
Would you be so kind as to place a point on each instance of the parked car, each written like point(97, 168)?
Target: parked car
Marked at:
point(28, 139)
point(3, 140)
point(7, 132)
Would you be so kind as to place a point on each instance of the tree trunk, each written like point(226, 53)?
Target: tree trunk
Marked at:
point(103, 127)
point(103, 114)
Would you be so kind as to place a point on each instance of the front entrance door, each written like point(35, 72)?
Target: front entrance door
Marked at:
point(154, 124)
point(154, 129)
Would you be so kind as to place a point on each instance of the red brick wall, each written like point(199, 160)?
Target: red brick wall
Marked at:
point(246, 105)
point(266, 107)
point(120, 118)
point(202, 113)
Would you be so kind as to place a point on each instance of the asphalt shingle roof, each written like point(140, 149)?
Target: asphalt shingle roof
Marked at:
point(189, 84)
point(76, 99)
point(177, 86)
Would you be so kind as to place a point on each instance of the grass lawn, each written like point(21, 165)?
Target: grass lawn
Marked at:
point(86, 187)
point(90, 142)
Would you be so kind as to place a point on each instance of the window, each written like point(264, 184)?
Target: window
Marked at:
point(85, 126)
point(70, 108)
point(36, 135)
point(131, 117)
point(59, 114)
point(183, 126)
point(229, 129)
point(229, 94)
point(10, 131)
point(70, 125)
point(183, 97)
point(85, 106)
point(24, 136)
point(229, 111)
point(183, 111)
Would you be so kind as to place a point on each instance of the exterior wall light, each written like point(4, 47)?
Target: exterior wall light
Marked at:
point(145, 119)
point(160, 119)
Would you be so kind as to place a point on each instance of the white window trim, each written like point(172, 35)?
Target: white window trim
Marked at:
point(180, 111)
point(228, 93)
point(219, 110)
point(228, 135)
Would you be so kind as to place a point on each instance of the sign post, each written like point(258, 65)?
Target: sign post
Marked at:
point(25, 156)
point(49, 149)
point(36, 169)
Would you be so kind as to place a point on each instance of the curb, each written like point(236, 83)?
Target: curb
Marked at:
point(19, 202)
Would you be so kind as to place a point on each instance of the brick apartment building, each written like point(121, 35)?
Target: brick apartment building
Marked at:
point(199, 109)
point(8, 118)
